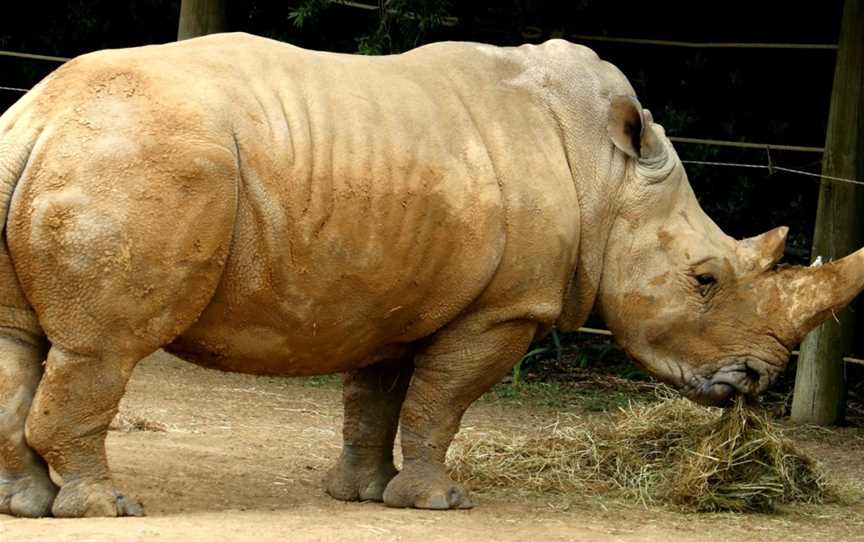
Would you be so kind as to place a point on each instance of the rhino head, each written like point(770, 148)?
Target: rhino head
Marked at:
point(711, 315)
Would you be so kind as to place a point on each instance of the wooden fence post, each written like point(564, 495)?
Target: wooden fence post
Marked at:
point(200, 17)
point(820, 383)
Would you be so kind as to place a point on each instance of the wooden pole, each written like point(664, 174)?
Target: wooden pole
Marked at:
point(820, 383)
point(200, 17)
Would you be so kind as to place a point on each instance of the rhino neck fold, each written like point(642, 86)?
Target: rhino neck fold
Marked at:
point(597, 170)
point(596, 188)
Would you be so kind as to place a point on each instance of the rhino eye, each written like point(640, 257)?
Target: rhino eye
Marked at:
point(706, 281)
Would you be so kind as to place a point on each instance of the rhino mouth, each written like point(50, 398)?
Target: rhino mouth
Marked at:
point(715, 383)
point(740, 376)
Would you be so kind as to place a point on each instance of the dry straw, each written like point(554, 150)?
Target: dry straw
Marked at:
point(668, 452)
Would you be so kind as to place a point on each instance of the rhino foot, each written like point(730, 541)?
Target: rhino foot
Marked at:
point(93, 499)
point(350, 480)
point(27, 496)
point(427, 486)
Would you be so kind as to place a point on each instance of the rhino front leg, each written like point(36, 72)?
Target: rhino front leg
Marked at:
point(372, 397)
point(462, 363)
point(68, 422)
point(26, 490)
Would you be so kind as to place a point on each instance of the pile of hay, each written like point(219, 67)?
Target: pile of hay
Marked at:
point(672, 451)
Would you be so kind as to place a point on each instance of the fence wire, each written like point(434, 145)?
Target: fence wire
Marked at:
point(772, 168)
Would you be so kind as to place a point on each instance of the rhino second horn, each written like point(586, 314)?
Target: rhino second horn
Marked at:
point(762, 252)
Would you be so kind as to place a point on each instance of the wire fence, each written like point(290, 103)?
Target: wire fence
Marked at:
point(745, 144)
point(33, 56)
point(15, 89)
point(772, 168)
point(706, 44)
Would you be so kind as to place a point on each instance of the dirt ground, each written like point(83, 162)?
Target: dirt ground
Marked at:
point(217, 456)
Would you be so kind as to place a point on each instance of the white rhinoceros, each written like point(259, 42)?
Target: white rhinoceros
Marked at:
point(413, 221)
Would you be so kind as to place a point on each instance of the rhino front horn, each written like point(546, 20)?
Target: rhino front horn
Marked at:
point(817, 291)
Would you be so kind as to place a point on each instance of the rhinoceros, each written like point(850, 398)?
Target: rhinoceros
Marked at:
point(413, 221)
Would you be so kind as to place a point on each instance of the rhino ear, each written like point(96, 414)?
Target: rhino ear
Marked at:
point(647, 117)
point(625, 125)
point(632, 129)
point(650, 145)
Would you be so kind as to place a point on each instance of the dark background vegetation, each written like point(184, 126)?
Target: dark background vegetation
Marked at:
point(773, 96)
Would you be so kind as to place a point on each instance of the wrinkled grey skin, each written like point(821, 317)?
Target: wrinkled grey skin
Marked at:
point(413, 222)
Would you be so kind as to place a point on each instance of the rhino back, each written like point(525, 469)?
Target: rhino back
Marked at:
point(378, 198)
point(374, 203)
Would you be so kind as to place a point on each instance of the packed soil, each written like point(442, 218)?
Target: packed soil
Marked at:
point(215, 456)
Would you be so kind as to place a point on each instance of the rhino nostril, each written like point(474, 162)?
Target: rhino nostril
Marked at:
point(752, 374)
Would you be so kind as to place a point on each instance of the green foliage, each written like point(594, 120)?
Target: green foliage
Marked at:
point(573, 350)
point(538, 352)
point(562, 396)
point(401, 24)
point(605, 400)
point(306, 11)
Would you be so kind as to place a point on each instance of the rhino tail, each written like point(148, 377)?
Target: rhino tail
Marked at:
point(15, 312)
point(14, 156)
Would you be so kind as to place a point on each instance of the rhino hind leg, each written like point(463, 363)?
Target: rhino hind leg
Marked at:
point(101, 332)
point(463, 362)
point(26, 489)
point(76, 400)
point(117, 256)
point(372, 397)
